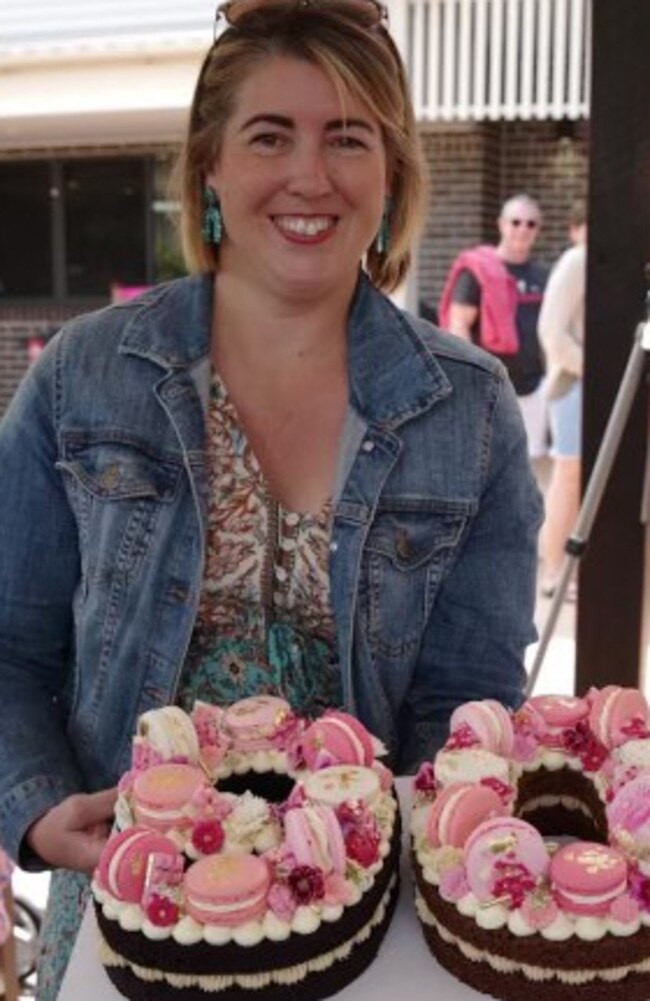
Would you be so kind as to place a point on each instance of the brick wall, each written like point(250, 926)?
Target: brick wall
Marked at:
point(475, 167)
point(17, 325)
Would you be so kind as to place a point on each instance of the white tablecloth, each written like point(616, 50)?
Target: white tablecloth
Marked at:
point(404, 966)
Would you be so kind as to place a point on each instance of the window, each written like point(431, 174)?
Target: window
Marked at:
point(25, 230)
point(72, 228)
point(105, 225)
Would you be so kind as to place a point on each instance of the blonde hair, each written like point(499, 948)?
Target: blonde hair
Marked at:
point(360, 61)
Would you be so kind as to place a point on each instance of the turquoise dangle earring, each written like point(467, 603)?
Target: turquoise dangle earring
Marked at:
point(382, 240)
point(212, 230)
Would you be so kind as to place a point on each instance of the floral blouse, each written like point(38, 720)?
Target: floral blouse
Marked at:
point(264, 622)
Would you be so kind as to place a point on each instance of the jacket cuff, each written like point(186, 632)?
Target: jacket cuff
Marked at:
point(21, 807)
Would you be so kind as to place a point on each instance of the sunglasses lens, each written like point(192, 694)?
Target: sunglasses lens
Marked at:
point(367, 12)
point(528, 223)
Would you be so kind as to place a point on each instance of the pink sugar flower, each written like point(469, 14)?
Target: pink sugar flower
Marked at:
point(425, 779)
point(144, 755)
point(282, 901)
point(208, 837)
point(362, 846)
point(307, 884)
point(539, 911)
point(453, 884)
point(208, 803)
point(162, 911)
point(462, 737)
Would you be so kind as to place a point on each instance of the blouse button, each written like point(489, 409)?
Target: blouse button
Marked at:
point(281, 574)
point(368, 446)
point(288, 545)
point(292, 519)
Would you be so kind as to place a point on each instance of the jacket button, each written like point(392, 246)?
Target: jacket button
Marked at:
point(403, 545)
point(111, 476)
point(368, 446)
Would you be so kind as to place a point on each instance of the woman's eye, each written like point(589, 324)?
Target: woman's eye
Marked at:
point(268, 140)
point(348, 142)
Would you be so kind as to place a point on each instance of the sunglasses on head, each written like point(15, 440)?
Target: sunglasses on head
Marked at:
point(528, 223)
point(367, 13)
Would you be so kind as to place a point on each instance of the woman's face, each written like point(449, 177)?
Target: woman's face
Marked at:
point(302, 180)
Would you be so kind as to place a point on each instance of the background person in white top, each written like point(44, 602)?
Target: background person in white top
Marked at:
point(561, 331)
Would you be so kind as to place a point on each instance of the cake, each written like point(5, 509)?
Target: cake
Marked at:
point(254, 853)
point(531, 847)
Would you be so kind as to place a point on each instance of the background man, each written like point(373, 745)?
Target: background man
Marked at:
point(493, 296)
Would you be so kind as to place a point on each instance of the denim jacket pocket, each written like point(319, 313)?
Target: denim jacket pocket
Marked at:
point(115, 466)
point(117, 487)
point(408, 549)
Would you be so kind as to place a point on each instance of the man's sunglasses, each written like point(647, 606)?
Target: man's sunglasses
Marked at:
point(367, 13)
point(528, 223)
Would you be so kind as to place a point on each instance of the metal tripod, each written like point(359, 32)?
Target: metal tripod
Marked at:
point(577, 541)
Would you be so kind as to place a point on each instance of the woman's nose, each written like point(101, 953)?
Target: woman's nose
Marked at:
point(309, 173)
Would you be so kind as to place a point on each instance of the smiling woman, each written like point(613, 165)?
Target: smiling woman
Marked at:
point(263, 478)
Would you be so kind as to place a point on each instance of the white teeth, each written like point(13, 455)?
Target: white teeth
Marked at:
point(302, 226)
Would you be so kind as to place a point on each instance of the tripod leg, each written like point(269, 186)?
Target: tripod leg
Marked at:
point(607, 453)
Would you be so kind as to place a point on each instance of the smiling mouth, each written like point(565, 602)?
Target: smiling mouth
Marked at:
point(305, 227)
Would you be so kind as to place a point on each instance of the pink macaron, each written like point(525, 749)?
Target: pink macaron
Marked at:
point(227, 889)
point(628, 815)
point(500, 848)
point(314, 837)
point(614, 714)
point(254, 724)
point(336, 739)
point(586, 877)
point(490, 723)
point(162, 795)
point(122, 868)
point(560, 712)
point(458, 810)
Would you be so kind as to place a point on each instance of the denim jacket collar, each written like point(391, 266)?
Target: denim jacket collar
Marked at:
point(408, 381)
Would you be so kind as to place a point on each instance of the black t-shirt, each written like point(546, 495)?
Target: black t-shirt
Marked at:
point(525, 368)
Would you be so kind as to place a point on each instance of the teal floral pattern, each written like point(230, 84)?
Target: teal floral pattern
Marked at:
point(264, 621)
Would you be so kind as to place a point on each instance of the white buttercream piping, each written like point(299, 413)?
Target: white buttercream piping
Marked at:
point(287, 975)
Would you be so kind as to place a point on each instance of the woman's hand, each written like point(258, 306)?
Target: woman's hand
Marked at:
point(72, 834)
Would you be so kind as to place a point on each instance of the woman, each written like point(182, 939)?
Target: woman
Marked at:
point(265, 476)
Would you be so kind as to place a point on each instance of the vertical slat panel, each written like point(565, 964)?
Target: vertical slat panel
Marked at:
point(543, 57)
point(435, 56)
point(479, 90)
point(496, 58)
point(449, 52)
point(464, 59)
point(529, 8)
point(417, 80)
point(576, 56)
point(398, 26)
point(512, 58)
point(559, 59)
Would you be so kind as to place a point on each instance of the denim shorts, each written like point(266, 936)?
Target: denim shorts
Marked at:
point(566, 423)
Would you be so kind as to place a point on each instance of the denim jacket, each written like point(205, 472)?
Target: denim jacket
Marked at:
point(102, 535)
